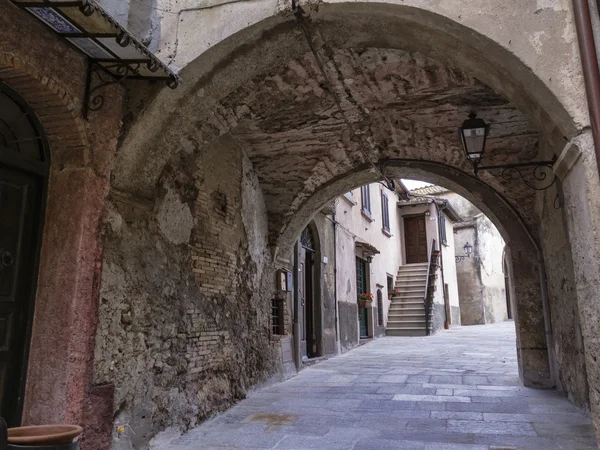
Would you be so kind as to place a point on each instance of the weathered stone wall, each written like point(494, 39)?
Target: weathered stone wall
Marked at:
point(185, 296)
point(324, 226)
point(564, 311)
point(469, 280)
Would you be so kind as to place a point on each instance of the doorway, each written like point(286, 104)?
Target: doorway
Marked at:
point(308, 287)
point(362, 287)
point(415, 237)
point(23, 175)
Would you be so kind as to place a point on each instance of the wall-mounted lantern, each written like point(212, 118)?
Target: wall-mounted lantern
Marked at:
point(468, 249)
point(473, 136)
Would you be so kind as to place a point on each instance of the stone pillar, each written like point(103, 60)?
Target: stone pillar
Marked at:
point(581, 189)
point(528, 311)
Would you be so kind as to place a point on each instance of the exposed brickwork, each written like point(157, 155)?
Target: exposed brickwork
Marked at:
point(55, 108)
point(214, 244)
point(207, 347)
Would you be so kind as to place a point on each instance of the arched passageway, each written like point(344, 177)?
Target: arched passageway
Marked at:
point(266, 133)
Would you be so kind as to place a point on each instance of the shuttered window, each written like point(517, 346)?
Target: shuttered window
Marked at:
point(443, 228)
point(365, 193)
point(385, 212)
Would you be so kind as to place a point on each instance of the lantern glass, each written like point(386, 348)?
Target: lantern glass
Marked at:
point(473, 134)
point(468, 249)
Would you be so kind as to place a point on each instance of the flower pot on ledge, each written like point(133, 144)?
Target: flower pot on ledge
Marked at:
point(364, 304)
point(44, 437)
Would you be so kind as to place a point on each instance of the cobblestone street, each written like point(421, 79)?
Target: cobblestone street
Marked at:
point(457, 390)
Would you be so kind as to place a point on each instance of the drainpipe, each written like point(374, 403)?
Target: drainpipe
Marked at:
point(589, 64)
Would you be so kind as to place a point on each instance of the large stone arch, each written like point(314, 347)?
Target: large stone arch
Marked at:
point(267, 44)
point(259, 92)
point(526, 258)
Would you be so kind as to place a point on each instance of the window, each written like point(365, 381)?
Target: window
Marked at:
point(443, 229)
point(385, 212)
point(365, 193)
point(361, 276)
point(277, 306)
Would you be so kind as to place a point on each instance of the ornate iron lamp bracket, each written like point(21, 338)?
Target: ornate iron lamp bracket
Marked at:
point(464, 258)
point(542, 171)
point(97, 79)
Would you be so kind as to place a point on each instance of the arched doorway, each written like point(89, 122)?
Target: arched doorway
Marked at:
point(24, 164)
point(309, 295)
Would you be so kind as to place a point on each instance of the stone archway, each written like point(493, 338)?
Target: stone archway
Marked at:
point(392, 86)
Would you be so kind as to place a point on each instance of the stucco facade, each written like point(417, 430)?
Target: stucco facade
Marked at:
point(481, 277)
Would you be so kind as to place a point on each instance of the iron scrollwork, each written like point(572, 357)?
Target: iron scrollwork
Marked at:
point(540, 171)
point(100, 77)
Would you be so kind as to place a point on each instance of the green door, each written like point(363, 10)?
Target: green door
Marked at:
point(361, 287)
point(364, 327)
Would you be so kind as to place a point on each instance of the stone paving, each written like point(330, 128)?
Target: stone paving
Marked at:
point(457, 390)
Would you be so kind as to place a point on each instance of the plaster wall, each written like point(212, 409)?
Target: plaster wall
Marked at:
point(491, 250)
point(450, 277)
point(184, 319)
point(470, 290)
point(355, 227)
point(480, 280)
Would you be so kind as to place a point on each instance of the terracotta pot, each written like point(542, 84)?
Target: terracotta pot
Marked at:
point(364, 304)
point(44, 435)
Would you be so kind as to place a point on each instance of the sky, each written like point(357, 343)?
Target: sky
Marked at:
point(414, 184)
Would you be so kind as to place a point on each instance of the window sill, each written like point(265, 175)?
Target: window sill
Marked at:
point(386, 232)
point(349, 200)
point(367, 215)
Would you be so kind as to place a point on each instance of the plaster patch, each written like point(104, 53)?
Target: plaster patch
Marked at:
point(175, 219)
point(537, 41)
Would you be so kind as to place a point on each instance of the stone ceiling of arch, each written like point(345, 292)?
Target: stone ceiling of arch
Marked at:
point(400, 104)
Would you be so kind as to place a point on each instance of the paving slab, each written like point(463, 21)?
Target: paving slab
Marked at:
point(457, 390)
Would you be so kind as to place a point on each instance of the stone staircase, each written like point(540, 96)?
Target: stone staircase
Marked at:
point(406, 316)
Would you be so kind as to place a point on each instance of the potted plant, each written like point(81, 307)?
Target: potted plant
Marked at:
point(393, 293)
point(364, 300)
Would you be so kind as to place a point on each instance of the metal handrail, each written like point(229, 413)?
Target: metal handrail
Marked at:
point(427, 300)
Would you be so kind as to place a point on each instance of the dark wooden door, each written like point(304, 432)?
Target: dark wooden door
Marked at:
point(415, 237)
point(19, 204)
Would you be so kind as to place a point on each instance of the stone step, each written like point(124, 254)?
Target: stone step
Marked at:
point(412, 309)
point(405, 323)
point(411, 292)
point(405, 332)
point(410, 284)
point(407, 314)
point(404, 305)
point(413, 272)
point(408, 297)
